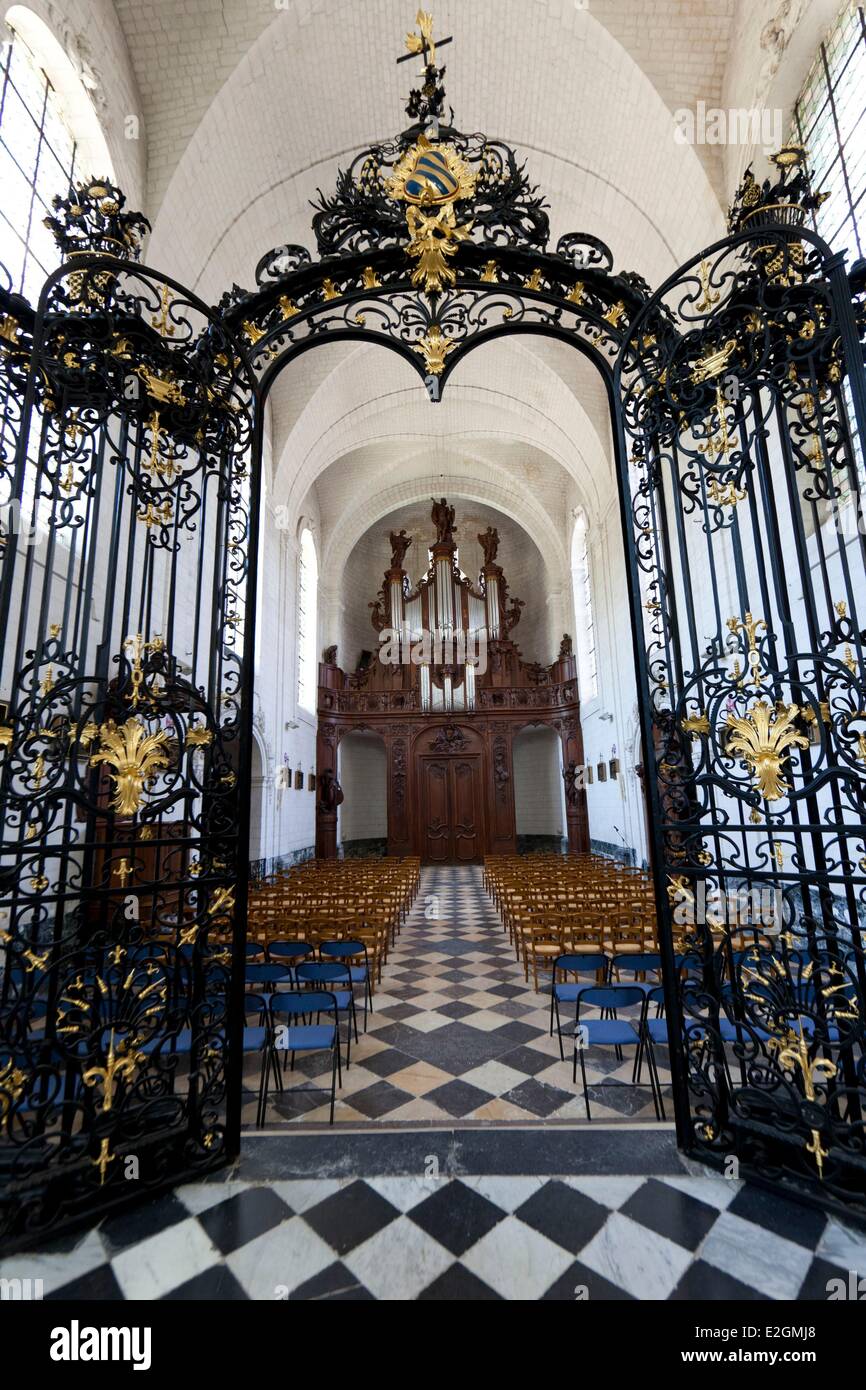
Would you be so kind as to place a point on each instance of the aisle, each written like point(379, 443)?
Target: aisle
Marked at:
point(457, 1033)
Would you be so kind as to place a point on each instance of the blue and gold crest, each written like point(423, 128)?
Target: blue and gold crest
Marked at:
point(431, 181)
point(431, 175)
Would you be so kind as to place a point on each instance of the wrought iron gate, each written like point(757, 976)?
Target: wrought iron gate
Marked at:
point(743, 415)
point(130, 450)
point(124, 739)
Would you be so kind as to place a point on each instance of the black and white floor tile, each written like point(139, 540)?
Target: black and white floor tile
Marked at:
point(472, 1237)
point(457, 1034)
point(457, 1170)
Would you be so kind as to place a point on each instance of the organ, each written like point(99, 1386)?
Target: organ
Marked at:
point(447, 691)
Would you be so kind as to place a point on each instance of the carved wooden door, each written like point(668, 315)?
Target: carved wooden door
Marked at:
point(451, 810)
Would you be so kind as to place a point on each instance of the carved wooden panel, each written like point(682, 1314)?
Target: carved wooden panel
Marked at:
point(467, 810)
point(452, 810)
point(436, 812)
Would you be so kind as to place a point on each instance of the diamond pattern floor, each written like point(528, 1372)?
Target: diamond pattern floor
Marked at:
point(606, 1237)
point(457, 1034)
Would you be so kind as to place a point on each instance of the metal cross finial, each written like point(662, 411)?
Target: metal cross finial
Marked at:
point(423, 42)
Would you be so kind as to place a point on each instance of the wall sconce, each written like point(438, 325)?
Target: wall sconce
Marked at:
point(299, 779)
point(602, 772)
point(311, 781)
point(590, 775)
point(614, 763)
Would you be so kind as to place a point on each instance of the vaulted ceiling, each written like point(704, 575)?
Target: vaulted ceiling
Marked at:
point(251, 107)
point(183, 58)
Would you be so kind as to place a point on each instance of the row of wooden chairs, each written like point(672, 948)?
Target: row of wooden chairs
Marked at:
point(553, 905)
point(337, 900)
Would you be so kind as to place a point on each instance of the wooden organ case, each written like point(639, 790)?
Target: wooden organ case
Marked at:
point(447, 692)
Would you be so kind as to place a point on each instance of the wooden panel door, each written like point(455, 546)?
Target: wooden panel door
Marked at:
point(435, 811)
point(466, 809)
point(451, 810)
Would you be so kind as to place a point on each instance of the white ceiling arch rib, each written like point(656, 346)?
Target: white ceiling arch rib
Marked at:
point(470, 479)
point(504, 394)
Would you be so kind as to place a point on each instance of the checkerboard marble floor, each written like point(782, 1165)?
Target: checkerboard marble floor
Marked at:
point(457, 1034)
point(526, 1238)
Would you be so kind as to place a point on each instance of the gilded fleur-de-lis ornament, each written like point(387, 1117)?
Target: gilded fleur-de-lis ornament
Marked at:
point(762, 738)
point(792, 1053)
point(120, 1065)
point(133, 756)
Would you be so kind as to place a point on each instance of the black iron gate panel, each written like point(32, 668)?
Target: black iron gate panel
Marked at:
point(741, 391)
point(124, 742)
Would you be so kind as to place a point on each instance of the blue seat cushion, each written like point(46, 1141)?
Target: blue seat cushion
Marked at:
point(609, 1032)
point(658, 1030)
point(255, 1039)
point(306, 1037)
point(729, 1032)
point(566, 994)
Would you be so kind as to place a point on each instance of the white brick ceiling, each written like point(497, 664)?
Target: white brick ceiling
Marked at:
point(321, 84)
point(184, 51)
point(250, 107)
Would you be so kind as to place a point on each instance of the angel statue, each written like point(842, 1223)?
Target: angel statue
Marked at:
point(442, 517)
point(400, 543)
point(489, 542)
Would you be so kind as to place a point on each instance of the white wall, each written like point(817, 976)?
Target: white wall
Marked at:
point(363, 773)
point(288, 826)
point(615, 807)
point(538, 785)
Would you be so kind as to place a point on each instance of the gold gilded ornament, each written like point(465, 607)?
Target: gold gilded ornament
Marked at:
point(433, 241)
point(434, 347)
point(134, 756)
point(762, 738)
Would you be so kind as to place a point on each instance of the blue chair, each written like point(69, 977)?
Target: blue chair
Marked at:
point(565, 993)
point(174, 1044)
point(258, 1038)
point(334, 978)
point(267, 975)
point(612, 1032)
point(289, 953)
point(254, 951)
point(348, 950)
point(654, 1034)
point(639, 963)
point(295, 1037)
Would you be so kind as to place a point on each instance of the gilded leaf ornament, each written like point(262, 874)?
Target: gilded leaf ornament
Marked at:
point(434, 347)
point(133, 755)
point(761, 738)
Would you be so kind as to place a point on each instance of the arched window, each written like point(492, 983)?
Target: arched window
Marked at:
point(308, 580)
point(829, 121)
point(585, 635)
point(49, 136)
